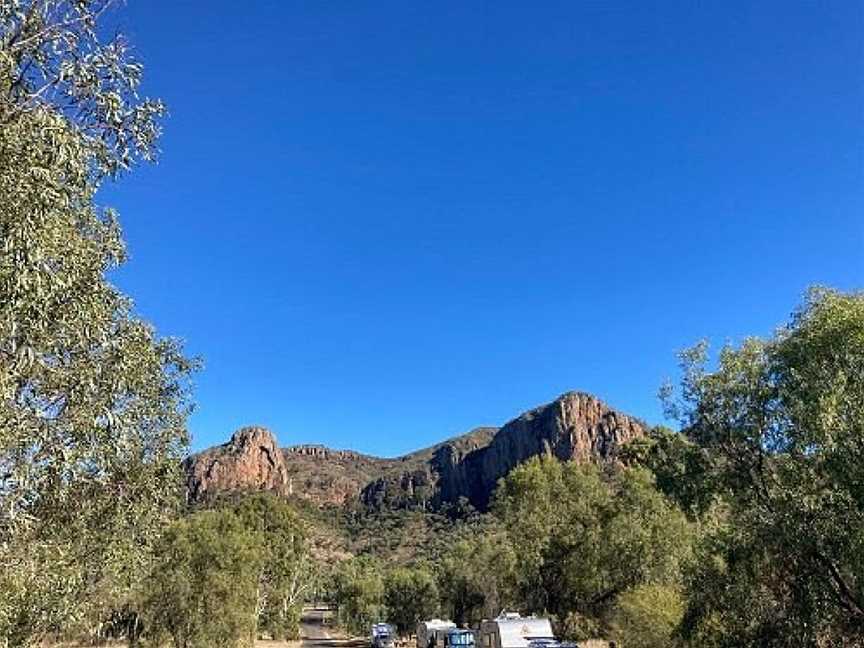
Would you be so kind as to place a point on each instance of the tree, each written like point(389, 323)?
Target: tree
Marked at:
point(53, 61)
point(648, 616)
point(780, 424)
point(203, 589)
point(287, 571)
point(477, 576)
point(680, 467)
point(92, 403)
point(584, 537)
point(410, 595)
point(360, 594)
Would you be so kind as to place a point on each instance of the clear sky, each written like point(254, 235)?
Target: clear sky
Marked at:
point(384, 223)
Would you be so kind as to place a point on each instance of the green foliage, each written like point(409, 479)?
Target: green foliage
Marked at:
point(359, 594)
point(410, 596)
point(53, 59)
point(681, 468)
point(477, 575)
point(648, 616)
point(780, 425)
point(287, 571)
point(92, 403)
point(245, 561)
point(403, 535)
point(584, 537)
point(203, 590)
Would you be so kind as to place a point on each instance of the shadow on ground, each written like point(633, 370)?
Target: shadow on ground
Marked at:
point(316, 632)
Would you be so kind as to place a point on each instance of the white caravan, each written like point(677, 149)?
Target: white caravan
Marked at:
point(514, 631)
point(430, 634)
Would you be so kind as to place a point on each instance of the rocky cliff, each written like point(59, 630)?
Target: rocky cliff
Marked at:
point(251, 460)
point(576, 426)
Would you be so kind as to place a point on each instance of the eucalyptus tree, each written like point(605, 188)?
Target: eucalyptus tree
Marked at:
point(203, 589)
point(779, 428)
point(288, 572)
point(92, 402)
point(410, 596)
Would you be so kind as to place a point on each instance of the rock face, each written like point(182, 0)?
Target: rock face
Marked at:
point(250, 461)
point(416, 479)
point(574, 427)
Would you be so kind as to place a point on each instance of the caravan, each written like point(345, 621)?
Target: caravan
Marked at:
point(515, 631)
point(432, 634)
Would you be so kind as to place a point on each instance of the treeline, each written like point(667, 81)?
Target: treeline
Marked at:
point(744, 529)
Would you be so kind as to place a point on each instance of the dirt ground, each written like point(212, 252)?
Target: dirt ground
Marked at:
point(315, 632)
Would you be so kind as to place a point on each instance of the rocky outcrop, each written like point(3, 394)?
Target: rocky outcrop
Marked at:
point(415, 479)
point(574, 427)
point(250, 461)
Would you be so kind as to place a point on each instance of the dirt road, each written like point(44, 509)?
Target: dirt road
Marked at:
point(316, 633)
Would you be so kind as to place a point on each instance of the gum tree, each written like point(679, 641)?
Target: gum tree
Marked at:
point(92, 402)
point(779, 425)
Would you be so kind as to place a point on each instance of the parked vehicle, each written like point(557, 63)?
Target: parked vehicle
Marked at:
point(433, 633)
point(511, 630)
point(383, 636)
point(459, 638)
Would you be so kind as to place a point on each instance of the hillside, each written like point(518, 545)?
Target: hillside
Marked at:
point(575, 426)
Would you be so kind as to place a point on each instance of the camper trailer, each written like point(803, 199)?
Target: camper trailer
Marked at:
point(514, 631)
point(432, 634)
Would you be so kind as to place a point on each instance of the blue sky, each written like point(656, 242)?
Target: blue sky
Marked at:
point(384, 223)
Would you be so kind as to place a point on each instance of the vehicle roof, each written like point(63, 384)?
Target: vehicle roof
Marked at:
point(516, 632)
point(438, 624)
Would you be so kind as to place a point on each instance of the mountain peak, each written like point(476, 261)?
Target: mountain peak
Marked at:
point(250, 461)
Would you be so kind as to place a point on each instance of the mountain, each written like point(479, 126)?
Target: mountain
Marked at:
point(576, 426)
